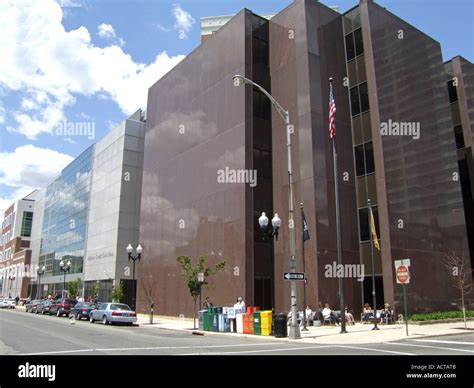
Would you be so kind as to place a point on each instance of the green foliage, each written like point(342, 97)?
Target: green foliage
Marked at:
point(117, 292)
point(190, 272)
point(95, 289)
point(441, 315)
point(73, 287)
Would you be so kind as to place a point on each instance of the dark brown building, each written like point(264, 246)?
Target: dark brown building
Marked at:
point(200, 125)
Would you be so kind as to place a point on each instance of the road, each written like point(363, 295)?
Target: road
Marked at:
point(30, 334)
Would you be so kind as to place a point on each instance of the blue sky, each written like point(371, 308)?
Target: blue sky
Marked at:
point(69, 61)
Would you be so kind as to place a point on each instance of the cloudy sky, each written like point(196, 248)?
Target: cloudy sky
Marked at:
point(92, 61)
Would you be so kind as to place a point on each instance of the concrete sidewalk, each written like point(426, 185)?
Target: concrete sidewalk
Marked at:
point(357, 334)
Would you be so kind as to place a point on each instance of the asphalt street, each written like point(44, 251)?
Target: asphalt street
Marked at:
point(30, 334)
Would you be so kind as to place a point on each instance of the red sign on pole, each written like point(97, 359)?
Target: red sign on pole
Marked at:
point(403, 277)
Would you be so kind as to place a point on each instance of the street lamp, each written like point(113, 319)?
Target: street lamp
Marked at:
point(39, 272)
point(64, 267)
point(266, 232)
point(12, 278)
point(285, 115)
point(200, 279)
point(134, 259)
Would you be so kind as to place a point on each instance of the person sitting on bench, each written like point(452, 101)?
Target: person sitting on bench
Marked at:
point(367, 313)
point(386, 314)
point(329, 315)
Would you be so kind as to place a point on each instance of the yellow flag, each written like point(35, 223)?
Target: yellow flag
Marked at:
point(374, 231)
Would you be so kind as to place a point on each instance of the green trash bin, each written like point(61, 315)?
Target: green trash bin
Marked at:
point(257, 323)
point(207, 321)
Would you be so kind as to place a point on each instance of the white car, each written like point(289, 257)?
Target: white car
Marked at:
point(7, 303)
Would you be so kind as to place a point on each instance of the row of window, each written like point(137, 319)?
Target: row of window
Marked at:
point(359, 96)
point(8, 220)
point(354, 44)
point(364, 159)
point(26, 224)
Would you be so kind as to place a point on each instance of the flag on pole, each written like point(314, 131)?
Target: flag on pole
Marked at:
point(332, 111)
point(305, 227)
point(374, 231)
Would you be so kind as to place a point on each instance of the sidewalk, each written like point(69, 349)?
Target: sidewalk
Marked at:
point(358, 334)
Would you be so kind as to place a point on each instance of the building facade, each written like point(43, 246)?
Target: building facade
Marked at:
point(90, 213)
point(15, 248)
point(388, 77)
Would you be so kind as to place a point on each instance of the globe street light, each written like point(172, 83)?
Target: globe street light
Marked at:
point(134, 259)
point(39, 272)
point(64, 267)
point(266, 232)
point(285, 115)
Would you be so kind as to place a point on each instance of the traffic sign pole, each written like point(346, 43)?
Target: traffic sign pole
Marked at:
point(404, 287)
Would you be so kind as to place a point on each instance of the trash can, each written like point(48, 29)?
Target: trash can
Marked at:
point(279, 327)
point(266, 322)
point(219, 310)
point(207, 321)
point(201, 319)
point(227, 324)
point(239, 322)
point(221, 318)
point(257, 324)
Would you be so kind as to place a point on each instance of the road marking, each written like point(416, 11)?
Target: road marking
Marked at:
point(428, 346)
point(444, 342)
point(257, 351)
point(375, 350)
point(146, 348)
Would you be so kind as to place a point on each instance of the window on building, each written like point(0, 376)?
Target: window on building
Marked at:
point(364, 159)
point(350, 49)
point(359, 46)
point(458, 135)
point(364, 223)
point(453, 94)
point(359, 99)
point(26, 224)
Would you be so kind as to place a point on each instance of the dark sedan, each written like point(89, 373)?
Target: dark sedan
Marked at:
point(30, 307)
point(44, 307)
point(83, 310)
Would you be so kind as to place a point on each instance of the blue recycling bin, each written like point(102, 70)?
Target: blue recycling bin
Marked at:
point(227, 323)
point(221, 322)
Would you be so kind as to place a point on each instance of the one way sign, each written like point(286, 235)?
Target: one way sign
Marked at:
point(293, 276)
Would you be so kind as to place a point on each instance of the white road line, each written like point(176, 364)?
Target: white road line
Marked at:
point(375, 350)
point(255, 351)
point(444, 342)
point(428, 346)
point(147, 348)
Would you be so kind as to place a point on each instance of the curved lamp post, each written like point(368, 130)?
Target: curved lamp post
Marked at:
point(40, 272)
point(64, 267)
point(285, 115)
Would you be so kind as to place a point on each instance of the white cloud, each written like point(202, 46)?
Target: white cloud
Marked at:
point(106, 31)
point(6, 201)
point(51, 65)
point(69, 140)
point(31, 167)
point(183, 19)
point(2, 114)
point(163, 28)
point(69, 3)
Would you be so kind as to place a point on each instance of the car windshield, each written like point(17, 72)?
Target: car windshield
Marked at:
point(123, 307)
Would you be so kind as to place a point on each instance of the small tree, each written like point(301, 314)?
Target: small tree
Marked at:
point(117, 292)
point(461, 274)
point(149, 284)
point(95, 289)
point(190, 272)
point(73, 287)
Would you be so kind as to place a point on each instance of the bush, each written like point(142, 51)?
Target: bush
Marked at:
point(441, 315)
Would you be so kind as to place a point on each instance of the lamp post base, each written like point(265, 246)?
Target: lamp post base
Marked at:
point(294, 332)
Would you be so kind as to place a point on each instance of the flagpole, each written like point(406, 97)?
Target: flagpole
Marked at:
point(374, 297)
point(338, 229)
point(304, 271)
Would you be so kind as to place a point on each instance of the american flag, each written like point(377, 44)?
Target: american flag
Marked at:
point(332, 112)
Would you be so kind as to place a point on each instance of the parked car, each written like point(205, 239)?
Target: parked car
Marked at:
point(83, 310)
point(113, 313)
point(44, 307)
point(62, 306)
point(31, 305)
point(7, 303)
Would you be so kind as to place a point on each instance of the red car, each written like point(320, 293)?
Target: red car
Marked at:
point(62, 306)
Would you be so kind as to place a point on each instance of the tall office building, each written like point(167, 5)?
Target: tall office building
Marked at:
point(394, 131)
point(89, 214)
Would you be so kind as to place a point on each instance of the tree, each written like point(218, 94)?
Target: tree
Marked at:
point(117, 292)
point(190, 272)
point(73, 287)
point(95, 289)
point(461, 274)
point(149, 284)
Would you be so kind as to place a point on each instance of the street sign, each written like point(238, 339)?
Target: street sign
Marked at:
point(294, 276)
point(403, 277)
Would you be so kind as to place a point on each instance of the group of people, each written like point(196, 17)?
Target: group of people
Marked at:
point(386, 314)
